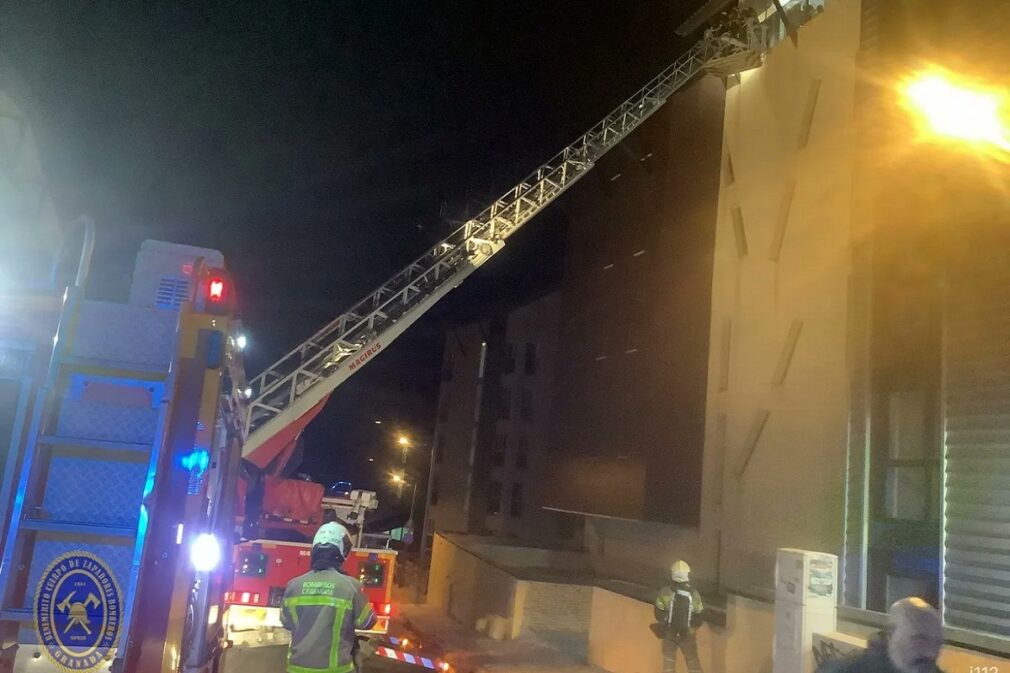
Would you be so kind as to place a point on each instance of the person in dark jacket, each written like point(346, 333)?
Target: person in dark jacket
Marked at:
point(910, 644)
point(678, 611)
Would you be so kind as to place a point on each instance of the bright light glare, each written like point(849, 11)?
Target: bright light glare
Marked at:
point(403, 440)
point(241, 342)
point(205, 552)
point(957, 110)
point(248, 392)
point(397, 479)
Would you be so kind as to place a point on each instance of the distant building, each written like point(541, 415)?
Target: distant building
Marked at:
point(491, 432)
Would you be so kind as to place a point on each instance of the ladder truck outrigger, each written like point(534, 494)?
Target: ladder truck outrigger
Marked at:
point(122, 491)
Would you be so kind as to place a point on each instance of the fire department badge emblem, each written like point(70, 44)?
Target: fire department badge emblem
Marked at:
point(78, 612)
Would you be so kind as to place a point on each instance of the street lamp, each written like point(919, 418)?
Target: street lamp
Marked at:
point(956, 109)
point(404, 442)
point(400, 481)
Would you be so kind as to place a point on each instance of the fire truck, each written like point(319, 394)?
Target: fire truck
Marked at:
point(275, 549)
point(131, 421)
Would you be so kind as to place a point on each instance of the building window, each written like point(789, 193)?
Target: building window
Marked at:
point(503, 404)
point(434, 490)
point(494, 497)
point(530, 359)
point(501, 447)
point(509, 360)
point(522, 454)
point(526, 404)
point(516, 506)
point(439, 447)
point(898, 519)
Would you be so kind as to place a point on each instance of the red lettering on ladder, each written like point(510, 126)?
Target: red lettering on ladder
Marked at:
point(364, 357)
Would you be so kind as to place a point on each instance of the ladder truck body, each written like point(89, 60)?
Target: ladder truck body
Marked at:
point(122, 500)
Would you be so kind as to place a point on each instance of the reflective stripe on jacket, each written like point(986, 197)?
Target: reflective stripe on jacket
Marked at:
point(322, 608)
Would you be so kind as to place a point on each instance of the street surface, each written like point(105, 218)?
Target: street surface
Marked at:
point(271, 659)
point(466, 650)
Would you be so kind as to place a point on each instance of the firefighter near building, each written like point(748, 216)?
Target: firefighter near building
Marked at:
point(136, 431)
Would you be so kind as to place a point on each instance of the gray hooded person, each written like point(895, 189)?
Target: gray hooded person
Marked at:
point(910, 644)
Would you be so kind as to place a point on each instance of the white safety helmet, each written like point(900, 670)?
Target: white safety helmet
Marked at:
point(680, 571)
point(332, 534)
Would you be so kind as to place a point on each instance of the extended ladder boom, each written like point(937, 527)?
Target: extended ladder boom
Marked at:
point(297, 384)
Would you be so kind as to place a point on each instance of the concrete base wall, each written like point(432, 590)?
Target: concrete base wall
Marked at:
point(471, 590)
point(477, 592)
point(836, 645)
point(620, 639)
point(610, 629)
point(559, 614)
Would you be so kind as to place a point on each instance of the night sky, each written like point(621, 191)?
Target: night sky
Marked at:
point(321, 146)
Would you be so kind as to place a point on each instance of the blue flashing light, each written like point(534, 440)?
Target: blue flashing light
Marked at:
point(197, 461)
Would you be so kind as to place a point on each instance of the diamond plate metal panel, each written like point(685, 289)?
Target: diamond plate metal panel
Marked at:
point(118, 558)
point(84, 490)
point(87, 419)
point(124, 333)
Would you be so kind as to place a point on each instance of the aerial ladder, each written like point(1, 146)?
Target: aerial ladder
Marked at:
point(290, 392)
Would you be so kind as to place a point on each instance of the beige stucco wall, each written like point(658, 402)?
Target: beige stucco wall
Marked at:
point(789, 494)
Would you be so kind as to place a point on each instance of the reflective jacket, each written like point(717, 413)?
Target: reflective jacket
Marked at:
point(663, 608)
point(322, 609)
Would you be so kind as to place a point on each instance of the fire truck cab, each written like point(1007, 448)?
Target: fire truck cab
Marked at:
point(278, 551)
point(264, 567)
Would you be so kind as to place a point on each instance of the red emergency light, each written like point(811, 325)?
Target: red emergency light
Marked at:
point(241, 598)
point(215, 290)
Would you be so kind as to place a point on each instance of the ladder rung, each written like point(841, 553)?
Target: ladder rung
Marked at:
point(113, 368)
point(54, 440)
point(17, 615)
point(57, 526)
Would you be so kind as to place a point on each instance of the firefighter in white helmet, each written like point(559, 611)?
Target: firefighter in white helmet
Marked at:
point(678, 612)
point(323, 607)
